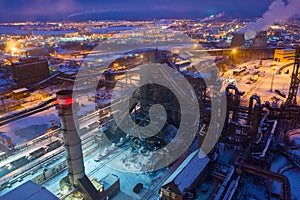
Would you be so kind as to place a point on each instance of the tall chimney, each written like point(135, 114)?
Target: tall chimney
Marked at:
point(72, 141)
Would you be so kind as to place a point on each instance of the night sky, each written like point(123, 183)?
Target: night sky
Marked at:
point(55, 10)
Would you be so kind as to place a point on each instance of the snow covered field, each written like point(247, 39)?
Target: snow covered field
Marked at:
point(30, 127)
point(263, 84)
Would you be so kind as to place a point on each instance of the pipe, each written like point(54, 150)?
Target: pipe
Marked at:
point(232, 188)
point(250, 108)
point(224, 184)
point(236, 101)
point(229, 96)
point(241, 125)
point(286, 188)
point(233, 87)
point(256, 119)
point(262, 121)
point(269, 140)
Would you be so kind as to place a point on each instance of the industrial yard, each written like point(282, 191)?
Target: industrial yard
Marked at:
point(161, 109)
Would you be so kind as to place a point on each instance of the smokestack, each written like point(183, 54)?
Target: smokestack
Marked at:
point(72, 141)
point(238, 40)
point(260, 40)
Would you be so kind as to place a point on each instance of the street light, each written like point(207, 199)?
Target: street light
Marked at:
point(234, 52)
point(274, 70)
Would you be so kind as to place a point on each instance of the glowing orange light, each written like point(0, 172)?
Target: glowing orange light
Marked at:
point(12, 46)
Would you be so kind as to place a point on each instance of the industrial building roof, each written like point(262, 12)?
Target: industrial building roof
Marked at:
point(286, 49)
point(88, 188)
point(189, 170)
point(20, 90)
point(29, 191)
point(109, 180)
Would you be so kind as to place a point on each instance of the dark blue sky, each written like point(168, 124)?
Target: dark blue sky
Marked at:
point(25, 10)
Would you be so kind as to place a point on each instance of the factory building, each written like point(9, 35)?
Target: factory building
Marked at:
point(238, 40)
point(259, 41)
point(284, 55)
point(20, 93)
point(185, 177)
point(30, 71)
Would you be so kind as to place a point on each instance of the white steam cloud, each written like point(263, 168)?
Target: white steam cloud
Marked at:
point(278, 12)
point(212, 17)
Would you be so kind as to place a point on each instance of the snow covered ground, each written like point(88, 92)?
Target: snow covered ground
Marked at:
point(86, 104)
point(27, 128)
point(128, 180)
point(35, 99)
point(263, 84)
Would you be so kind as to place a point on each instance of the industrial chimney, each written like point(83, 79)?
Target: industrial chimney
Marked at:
point(238, 40)
point(72, 141)
point(260, 40)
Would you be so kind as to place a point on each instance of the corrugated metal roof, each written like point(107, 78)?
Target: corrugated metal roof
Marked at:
point(188, 171)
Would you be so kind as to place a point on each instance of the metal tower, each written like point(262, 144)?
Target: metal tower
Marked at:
point(292, 98)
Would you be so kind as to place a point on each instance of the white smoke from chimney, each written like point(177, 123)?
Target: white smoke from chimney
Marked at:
point(278, 12)
point(213, 17)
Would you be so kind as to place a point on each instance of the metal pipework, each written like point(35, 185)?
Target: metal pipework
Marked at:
point(235, 103)
point(250, 109)
point(224, 184)
point(263, 154)
point(266, 113)
point(72, 141)
point(255, 122)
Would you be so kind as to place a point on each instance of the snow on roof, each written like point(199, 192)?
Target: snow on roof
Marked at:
point(182, 62)
point(286, 49)
point(29, 191)
point(189, 170)
point(20, 90)
point(69, 73)
point(198, 74)
point(289, 49)
point(109, 180)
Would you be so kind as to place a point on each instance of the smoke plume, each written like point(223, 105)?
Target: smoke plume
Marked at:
point(278, 12)
point(213, 17)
